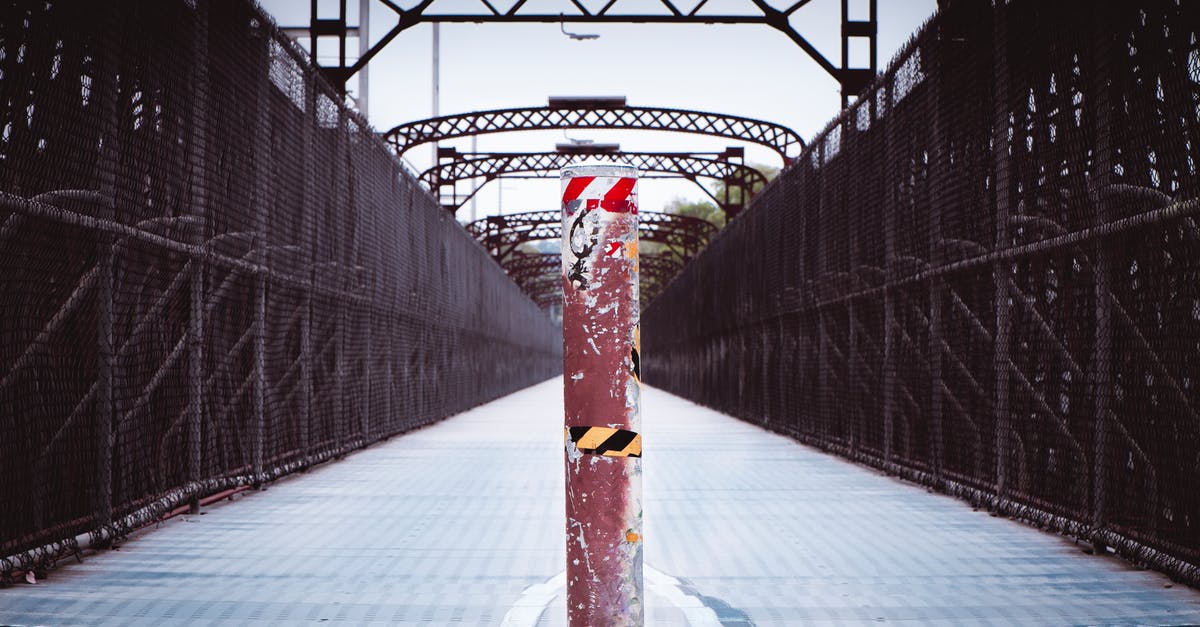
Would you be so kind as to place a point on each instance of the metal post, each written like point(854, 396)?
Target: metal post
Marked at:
point(306, 367)
point(195, 372)
point(105, 258)
point(104, 391)
point(474, 182)
point(938, 186)
point(262, 177)
point(824, 380)
point(341, 406)
point(260, 367)
point(436, 88)
point(1000, 271)
point(368, 329)
point(601, 376)
point(199, 195)
point(1102, 348)
point(364, 46)
point(309, 245)
point(888, 369)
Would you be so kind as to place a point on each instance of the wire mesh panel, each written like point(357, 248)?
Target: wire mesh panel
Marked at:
point(983, 275)
point(213, 273)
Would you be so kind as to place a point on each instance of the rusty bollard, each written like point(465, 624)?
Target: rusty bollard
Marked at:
point(602, 391)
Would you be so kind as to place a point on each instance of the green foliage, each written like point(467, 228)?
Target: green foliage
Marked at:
point(708, 210)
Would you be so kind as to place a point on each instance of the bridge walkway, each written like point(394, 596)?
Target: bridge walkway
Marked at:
point(461, 523)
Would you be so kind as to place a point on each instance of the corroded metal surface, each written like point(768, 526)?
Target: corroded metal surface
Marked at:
point(601, 395)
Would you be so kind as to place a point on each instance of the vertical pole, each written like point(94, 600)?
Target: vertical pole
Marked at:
point(344, 280)
point(873, 13)
point(104, 392)
point(199, 193)
point(308, 242)
point(474, 182)
point(890, 221)
point(306, 366)
point(107, 168)
point(938, 191)
point(368, 329)
point(845, 54)
point(262, 178)
point(364, 46)
point(1000, 272)
point(1101, 379)
point(260, 365)
point(1102, 345)
point(195, 366)
point(852, 362)
point(436, 90)
point(341, 405)
point(602, 385)
point(824, 380)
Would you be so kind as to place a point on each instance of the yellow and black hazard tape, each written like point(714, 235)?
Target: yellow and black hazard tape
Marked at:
point(606, 441)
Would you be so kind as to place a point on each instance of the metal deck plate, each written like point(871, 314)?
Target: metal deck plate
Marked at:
point(461, 522)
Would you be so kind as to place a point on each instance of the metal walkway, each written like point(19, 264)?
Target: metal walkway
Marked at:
point(461, 522)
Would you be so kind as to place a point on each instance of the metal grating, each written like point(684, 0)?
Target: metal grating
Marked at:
point(983, 276)
point(213, 273)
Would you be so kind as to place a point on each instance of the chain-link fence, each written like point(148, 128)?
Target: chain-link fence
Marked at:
point(212, 273)
point(983, 276)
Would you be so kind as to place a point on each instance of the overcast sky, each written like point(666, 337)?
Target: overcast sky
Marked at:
point(751, 70)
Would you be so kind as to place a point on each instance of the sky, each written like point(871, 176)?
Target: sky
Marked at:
point(746, 70)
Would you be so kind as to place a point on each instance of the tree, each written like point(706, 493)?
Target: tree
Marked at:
point(708, 210)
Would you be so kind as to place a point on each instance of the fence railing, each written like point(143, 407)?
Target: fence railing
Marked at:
point(983, 276)
point(212, 273)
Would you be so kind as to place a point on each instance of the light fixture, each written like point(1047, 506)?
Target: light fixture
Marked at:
point(562, 26)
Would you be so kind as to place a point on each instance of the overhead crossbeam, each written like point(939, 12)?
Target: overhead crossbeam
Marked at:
point(692, 166)
point(569, 115)
point(773, 13)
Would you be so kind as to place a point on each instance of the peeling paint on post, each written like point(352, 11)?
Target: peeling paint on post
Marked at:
point(602, 392)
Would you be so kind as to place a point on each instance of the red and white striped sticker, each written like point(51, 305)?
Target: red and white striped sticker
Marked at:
point(592, 207)
point(615, 194)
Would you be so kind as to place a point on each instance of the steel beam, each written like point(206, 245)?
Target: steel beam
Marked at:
point(852, 78)
point(692, 166)
point(784, 141)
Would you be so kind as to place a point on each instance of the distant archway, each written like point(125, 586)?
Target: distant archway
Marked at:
point(737, 177)
point(596, 113)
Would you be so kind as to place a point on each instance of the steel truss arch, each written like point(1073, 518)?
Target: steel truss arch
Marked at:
point(691, 166)
point(784, 141)
point(539, 274)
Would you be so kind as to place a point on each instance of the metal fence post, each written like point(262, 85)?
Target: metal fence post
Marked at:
point(105, 253)
point(368, 329)
point(1102, 358)
point(262, 243)
point(260, 366)
point(601, 376)
point(1000, 270)
point(309, 245)
point(195, 369)
point(199, 193)
point(888, 369)
point(104, 393)
point(937, 184)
